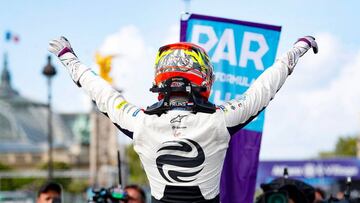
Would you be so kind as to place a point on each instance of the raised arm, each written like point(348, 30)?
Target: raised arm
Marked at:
point(239, 112)
point(109, 101)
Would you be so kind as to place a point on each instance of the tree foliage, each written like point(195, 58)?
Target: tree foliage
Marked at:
point(12, 184)
point(4, 167)
point(65, 182)
point(9, 184)
point(136, 171)
point(345, 147)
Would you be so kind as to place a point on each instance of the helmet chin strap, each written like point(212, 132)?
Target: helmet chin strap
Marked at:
point(179, 93)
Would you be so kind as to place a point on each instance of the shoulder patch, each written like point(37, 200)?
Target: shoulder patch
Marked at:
point(223, 108)
point(121, 104)
point(136, 112)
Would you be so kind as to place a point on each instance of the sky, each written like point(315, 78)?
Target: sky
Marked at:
point(319, 102)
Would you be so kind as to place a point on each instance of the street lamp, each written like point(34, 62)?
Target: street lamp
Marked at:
point(49, 71)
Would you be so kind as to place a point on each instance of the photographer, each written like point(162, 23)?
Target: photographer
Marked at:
point(320, 194)
point(286, 190)
point(135, 194)
point(50, 192)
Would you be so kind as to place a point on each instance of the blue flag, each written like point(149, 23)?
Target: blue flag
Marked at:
point(7, 36)
point(240, 51)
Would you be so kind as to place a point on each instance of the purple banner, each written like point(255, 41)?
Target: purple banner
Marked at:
point(240, 51)
point(310, 169)
point(238, 177)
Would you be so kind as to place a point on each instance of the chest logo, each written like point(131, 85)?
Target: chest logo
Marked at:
point(177, 119)
point(169, 158)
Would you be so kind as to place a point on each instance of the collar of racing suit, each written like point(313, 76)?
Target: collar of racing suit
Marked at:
point(179, 93)
point(191, 103)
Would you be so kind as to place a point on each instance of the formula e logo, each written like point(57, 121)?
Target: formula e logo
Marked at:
point(178, 162)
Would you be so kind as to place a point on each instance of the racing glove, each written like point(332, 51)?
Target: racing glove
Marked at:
point(301, 46)
point(62, 49)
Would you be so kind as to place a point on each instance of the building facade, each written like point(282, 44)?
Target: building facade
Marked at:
point(24, 129)
point(85, 141)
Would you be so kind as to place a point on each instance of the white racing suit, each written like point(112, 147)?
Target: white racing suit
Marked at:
point(182, 152)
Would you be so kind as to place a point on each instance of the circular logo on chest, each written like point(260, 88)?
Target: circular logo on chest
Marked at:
point(169, 157)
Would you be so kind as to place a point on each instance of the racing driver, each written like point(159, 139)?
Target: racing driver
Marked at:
point(182, 139)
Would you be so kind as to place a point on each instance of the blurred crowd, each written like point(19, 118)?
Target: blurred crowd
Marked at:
point(287, 190)
point(279, 190)
point(51, 192)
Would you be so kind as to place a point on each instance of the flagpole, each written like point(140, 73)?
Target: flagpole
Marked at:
point(186, 6)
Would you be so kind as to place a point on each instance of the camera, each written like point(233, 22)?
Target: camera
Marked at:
point(285, 190)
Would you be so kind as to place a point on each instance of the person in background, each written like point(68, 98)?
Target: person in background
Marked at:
point(280, 189)
point(340, 195)
point(50, 192)
point(135, 194)
point(320, 195)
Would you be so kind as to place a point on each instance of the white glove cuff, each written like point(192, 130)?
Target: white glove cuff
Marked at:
point(301, 48)
point(75, 68)
point(290, 59)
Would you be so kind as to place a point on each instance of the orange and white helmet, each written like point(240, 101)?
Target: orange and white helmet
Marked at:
point(184, 60)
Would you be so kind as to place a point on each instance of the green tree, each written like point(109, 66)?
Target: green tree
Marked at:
point(70, 185)
point(78, 186)
point(10, 184)
point(4, 167)
point(65, 182)
point(345, 147)
point(137, 173)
